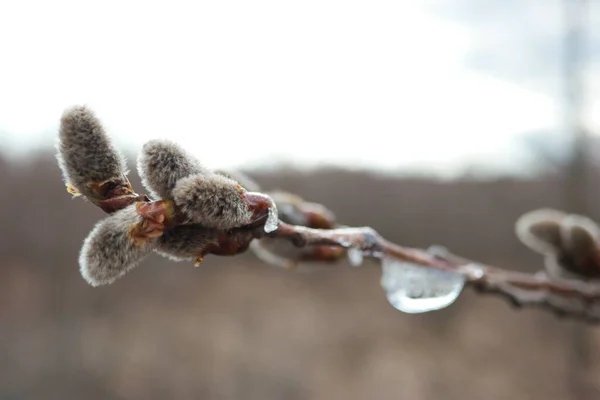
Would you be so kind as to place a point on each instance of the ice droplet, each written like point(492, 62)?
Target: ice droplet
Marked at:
point(355, 256)
point(272, 220)
point(414, 289)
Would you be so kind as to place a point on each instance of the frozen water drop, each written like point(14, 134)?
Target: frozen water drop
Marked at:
point(414, 289)
point(355, 256)
point(272, 220)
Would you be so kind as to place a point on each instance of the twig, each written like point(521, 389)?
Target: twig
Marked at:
point(565, 297)
point(93, 168)
point(573, 298)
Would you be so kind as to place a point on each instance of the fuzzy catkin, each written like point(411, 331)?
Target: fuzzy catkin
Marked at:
point(565, 240)
point(579, 235)
point(213, 201)
point(161, 163)
point(85, 152)
point(186, 242)
point(540, 230)
point(109, 251)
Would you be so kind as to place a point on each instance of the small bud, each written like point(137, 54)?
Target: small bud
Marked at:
point(247, 183)
point(213, 201)
point(281, 253)
point(162, 163)
point(86, 156)
point(288, 205)
point(297, 211)
point(540, 230)
point(116, 244)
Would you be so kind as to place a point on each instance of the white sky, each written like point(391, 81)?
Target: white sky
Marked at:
point(374, 83)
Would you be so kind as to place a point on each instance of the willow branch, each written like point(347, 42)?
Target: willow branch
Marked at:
point(224, 218)
point(575, 298)
point(572, 298)
point(564, 297)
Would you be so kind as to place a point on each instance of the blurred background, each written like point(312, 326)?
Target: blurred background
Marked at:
point(435, 122)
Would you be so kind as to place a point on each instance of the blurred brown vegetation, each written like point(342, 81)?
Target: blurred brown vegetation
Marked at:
point(238, 329)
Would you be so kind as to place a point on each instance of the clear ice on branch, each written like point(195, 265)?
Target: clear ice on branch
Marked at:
point(272, 220)
point(355, 256)
point(414, 289)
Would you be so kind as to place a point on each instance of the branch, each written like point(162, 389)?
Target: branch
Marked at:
point(565, 297)
point(202, 212)
point(573, 298)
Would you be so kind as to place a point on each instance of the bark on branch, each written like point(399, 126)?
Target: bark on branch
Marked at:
point(564, 297)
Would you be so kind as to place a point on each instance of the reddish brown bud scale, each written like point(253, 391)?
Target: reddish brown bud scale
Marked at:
point(323, 254)
point(258, 204)
point(318, 219)
point(233, 243)
point(162, 211)
point(144, 231)
point(117, 203)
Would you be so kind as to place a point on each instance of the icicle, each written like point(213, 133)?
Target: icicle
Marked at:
point(272, 220)
point(355, 256)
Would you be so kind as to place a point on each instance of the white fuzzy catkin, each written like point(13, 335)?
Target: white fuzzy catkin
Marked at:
point(579, 234)
point(186, 242)
point(109, 251)
point(540, 230)
point(213, 201)
point(565, 241)
point(162, 163)
point(85, 152)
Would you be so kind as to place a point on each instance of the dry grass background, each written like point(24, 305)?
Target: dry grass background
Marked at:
point(238, 329)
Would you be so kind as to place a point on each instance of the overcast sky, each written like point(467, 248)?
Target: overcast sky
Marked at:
point(373, 83)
